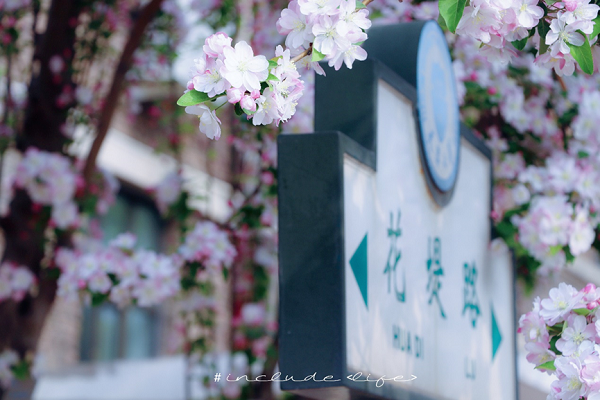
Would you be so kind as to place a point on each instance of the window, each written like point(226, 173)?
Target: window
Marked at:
point(110, 333)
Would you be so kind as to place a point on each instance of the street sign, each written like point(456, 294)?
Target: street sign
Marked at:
point(386, 270)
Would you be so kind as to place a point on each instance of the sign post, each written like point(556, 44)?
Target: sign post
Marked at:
point(389, 287)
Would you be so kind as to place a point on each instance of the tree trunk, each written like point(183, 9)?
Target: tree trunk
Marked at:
point(24, 227)
point(25, 224)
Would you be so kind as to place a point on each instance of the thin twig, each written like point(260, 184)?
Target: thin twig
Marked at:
point(8, 98)
point(305, 53)
point(110, 104)
point(562, 82)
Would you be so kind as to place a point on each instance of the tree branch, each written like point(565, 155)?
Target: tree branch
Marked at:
point(8, 98)
point(110, 103)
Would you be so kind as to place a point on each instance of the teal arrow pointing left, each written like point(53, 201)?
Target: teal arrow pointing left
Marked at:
point(358, 263)
point(496, 335)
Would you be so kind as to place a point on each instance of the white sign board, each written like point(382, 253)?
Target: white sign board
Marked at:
point(424, 293)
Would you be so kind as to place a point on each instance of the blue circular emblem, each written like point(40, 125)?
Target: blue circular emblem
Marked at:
point(438, 108)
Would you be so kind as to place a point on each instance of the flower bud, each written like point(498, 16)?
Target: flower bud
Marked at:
point(234, 95)
point(247, 103)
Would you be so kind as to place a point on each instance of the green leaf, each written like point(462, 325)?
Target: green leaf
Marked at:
point(514, 211)
point(506, 229)
point(555, 329)
point(192, 98)
point(582, 154)
point(442, 23)
point(543, 29)
point(554, 250)
point(273, 63)
point(568, 255)
point(582, 311)
point(553, 341)
point(360, 4)
point(98, 299)
point(520, 44)
point(452, 11)
point(21, 370)
point(316, 55)
point(238, 109)
point(596, 30)
point(272, 77)
point(583, 55)
point(547, 365)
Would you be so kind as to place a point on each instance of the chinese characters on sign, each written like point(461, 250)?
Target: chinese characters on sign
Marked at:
point(435, 271)
point(394, 256)
point(471, 302)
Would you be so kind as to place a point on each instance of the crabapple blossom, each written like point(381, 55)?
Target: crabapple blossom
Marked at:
point(538, 353)
point(253, 314)
point(49, 178)
point(210, 124)
point(294, 24)
point(211, 81)
point(15, 281)
point(120, 272)
point(501, 25)
point(318, 7)
point(209, 245)
point(562, 300)
point(242, 68)
point(331, 29)
point(582, 234)
point(581, 11)
point(528, 12)
point(214, 44)
point(574, 361)
point(575, 334)
point(521, 194)
point(561, 35)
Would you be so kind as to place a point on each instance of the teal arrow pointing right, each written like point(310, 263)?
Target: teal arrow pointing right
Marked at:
point(358, 263)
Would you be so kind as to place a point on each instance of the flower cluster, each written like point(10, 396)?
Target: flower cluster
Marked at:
point(53, 180)
point(585, 124)
point(119, 273)
point(561, 336)
point(268, 91)
point(265, 90)
point(546, 176)
point(561, 31)
point(15, 282)
point(334, 28)
point(208, 245)
point(552, 227)
point(50, 180)
point(562, 199)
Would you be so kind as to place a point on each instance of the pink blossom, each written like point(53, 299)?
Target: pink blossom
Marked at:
point(215, 43)
point(210, 124)
point(242, 68)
